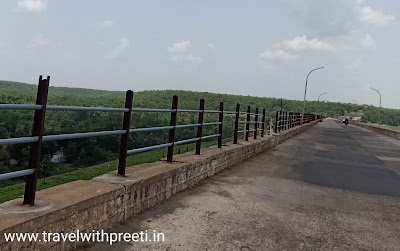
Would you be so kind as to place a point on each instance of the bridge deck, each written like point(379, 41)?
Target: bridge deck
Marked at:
point(334, 186)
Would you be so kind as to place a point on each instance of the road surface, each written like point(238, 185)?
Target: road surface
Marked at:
point(334, 187)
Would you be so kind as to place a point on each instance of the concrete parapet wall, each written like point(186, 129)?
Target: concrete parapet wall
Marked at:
point(109, 200)
point(384, 131)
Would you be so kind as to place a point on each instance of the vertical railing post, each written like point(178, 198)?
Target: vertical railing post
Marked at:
point(237, 116)
point(36, 147)
point(171, 137)
point(286, 120)
point(263, 123)
point(280, 121)
point(220, 120)
point(126, 125)
point(200, 127)
point(293, 119)
point(256, 124)
point(247, 123)
point(276, 122)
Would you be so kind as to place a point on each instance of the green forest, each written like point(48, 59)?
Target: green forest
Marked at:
point(81, 153)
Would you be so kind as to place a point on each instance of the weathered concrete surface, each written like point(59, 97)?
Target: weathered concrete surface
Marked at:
point(384, 131)
point(331, 188)
point(77, 205)
point(109, 200)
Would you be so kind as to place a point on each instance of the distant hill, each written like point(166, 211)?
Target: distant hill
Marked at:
point(14, 92)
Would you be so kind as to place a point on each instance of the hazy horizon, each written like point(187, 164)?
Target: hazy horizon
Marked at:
point(322, 100)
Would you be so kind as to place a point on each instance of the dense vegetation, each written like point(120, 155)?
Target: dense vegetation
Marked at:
point(85, 152)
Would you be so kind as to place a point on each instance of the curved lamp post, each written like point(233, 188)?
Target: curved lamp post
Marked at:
point(305, 92)
point(380, 104)
point(321, 95)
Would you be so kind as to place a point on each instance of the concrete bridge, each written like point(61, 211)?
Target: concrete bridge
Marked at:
point(332, 187)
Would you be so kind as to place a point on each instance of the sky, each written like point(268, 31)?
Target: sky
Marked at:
point(257, 48)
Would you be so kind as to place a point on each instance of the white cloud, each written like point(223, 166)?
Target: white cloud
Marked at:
point(368, 15)
point(32, 5)
point(354, 40)
point(277, 55)
point(340, 45)
point(181, 52)
point(38, 41)
point(211, 46)
point(303, 43)
point(180, 47)
point(107, 23)
point(186, 58)
point(123, 45)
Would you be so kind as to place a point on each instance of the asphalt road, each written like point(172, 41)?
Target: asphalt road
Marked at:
point(334, 187)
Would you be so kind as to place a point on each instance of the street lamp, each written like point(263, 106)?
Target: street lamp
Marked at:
point(305, 92)
point(321, 95)
point(380, 104)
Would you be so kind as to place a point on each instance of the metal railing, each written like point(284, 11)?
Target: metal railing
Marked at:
point(38, 138)
point(287, 120)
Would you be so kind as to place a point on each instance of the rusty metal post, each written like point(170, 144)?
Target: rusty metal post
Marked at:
point(235, 135)
point(256, 124)
point(279, 121)
point(36, 147)
point(126, 125)
point(220, 120)
point(247, 123)
point(286, 120)
point(263, 124)
point(276, 122)
point(293, 121)
point(171, 137)
point(200, 127)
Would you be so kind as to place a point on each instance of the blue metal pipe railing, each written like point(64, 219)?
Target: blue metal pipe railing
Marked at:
point(148, 148)
point(13, 141)
point(81, 108)
point(20, 107)
point(107, 133)
point(17, 174)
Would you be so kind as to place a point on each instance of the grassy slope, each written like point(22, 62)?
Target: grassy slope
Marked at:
point(17, 190)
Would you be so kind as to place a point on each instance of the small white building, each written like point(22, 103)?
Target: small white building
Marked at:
point(58, 157)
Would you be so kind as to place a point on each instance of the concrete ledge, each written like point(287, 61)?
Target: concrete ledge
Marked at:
point(384, 131)
point(108, 200)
